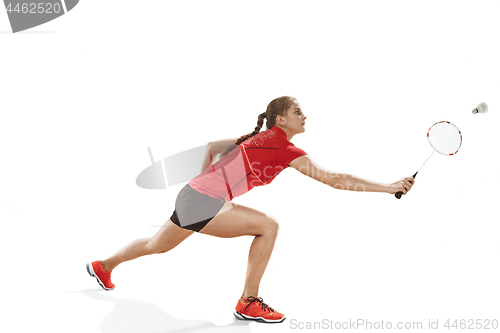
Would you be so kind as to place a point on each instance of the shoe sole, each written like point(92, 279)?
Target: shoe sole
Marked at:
point(241, 316)
point(91, 272)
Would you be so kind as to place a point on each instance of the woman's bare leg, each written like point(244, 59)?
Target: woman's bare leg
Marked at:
point(236, 220)
point(168, 237)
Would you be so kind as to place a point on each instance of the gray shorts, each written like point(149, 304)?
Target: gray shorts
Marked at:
point(193, 210)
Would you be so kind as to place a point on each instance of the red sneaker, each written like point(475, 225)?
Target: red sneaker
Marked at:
point(254, 308)
point(96, 270)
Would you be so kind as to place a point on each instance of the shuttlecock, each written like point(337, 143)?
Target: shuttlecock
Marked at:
point(481, 108)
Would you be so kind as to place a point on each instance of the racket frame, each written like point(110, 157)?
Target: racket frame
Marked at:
point(399, 194)
point(428, 138)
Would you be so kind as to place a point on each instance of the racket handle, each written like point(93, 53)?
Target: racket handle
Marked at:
point(399, 194)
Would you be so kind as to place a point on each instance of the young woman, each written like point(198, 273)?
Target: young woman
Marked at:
point(204, 204)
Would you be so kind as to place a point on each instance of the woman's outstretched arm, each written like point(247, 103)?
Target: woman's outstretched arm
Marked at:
point(343, 181)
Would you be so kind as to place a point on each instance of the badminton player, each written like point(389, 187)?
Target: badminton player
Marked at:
point(205, 204)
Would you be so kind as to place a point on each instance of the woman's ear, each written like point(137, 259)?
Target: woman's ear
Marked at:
point(280, 120)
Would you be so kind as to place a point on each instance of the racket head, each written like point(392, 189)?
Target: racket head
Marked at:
point(445, 138)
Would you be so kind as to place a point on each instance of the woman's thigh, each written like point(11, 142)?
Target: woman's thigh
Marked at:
point(169, 236)
point(235, 220)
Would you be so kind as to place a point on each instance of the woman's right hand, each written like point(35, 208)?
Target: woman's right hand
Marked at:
point(403, 185)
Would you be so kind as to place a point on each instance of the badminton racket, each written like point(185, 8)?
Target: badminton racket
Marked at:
point(445, 138)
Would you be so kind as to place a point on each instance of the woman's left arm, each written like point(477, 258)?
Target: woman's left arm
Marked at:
point(343, 181)
point(214, 148)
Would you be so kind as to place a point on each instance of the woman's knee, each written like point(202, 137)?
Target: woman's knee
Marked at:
point(153, 246)
point(156, 245)
point(271, 226)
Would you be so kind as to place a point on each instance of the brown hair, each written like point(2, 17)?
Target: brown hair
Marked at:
point(277, 107)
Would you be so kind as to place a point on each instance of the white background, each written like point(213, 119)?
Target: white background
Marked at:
point(82, 97)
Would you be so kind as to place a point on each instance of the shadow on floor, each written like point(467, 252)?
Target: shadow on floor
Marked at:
point(134, 316)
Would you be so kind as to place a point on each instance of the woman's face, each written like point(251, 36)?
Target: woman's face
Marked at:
point(294, 119)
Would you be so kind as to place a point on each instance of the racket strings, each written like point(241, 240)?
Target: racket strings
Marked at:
point(445, 138)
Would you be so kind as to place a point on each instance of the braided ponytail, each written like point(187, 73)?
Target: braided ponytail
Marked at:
point(260, 122)
point(278, 106)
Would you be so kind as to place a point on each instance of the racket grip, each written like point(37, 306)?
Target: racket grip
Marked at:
point(399, 194)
